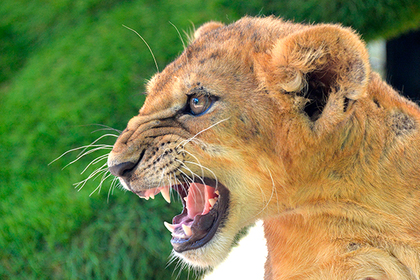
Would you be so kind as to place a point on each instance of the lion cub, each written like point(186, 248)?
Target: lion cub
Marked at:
point(267, 119)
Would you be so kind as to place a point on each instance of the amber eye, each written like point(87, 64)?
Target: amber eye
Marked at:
point(199, 104)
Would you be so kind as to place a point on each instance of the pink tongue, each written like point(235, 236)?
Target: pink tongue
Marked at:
point(198, 199)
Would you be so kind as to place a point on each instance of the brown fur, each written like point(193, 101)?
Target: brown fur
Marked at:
point(303, 135)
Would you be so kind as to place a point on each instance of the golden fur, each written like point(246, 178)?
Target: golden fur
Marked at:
point(303, 135)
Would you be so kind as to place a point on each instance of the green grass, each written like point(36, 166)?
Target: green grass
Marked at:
point(73, 64)
point(66, 66)
point(372, 18)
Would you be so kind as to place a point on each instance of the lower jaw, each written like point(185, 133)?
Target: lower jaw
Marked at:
point(204, 227)
point(209, 255)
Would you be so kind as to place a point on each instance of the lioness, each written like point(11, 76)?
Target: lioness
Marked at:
point(267, 119)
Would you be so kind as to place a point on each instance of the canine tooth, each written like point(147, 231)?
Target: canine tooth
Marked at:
point(152, 196)
point(217, 192)
point(185, 198)
point(187, 230)
point(169, 226)
point(212, 202)
point(165, 193)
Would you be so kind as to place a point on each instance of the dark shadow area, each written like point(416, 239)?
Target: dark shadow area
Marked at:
point(403, 64)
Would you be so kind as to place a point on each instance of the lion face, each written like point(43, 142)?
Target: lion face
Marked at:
point(215, 128)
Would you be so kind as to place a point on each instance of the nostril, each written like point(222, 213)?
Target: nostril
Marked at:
point(121, 169)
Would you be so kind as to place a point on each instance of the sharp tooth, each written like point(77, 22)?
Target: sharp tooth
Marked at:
point(185, 198)
point(212, 202)
point(169, 226)
point(217, 192)
point(165, 193)
point(187, 230)
point(150, 193)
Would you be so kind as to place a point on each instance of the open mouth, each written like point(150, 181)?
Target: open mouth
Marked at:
point(205, 204)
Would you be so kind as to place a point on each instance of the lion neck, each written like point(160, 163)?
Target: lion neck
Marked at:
point(360, 181)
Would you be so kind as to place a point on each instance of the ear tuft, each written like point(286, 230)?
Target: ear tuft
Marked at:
point(207, 27)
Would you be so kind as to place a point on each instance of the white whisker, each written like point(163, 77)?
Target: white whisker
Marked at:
point(87, 153)
point(105, 176)
point(274, 188)
point(93, 175)
point(186, 181)
point(192, 173)
point(179, 34)
point(83, 148)
point(185, 174)
point(199, 163)
point(211, 126)
point(79, 148)
point(151, 52)
point(95, 161)
point(94, 142)
point(109, 134)
point(112, 187)
point(171, 260)
point(214, 175)
point(178, 181)
point(170, 183)
point(101, 171)
point(161, 177)
point(108, 128)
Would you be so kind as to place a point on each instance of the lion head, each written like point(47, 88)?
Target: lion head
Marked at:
point(257, 119)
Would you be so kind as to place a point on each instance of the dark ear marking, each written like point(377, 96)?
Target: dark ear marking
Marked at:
point(346, 104)
point(376, 103)
point(317, 93)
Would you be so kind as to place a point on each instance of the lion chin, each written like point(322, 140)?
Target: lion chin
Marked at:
point(209, 255)
point(265, 119)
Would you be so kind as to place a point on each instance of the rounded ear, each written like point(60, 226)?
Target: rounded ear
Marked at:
point(329, 54)
point(315, 62)
point(207, 27)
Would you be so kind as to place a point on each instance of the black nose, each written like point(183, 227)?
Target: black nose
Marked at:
point(122, 169)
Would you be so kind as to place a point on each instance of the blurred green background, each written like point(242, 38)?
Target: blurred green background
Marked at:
point(68, 66)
